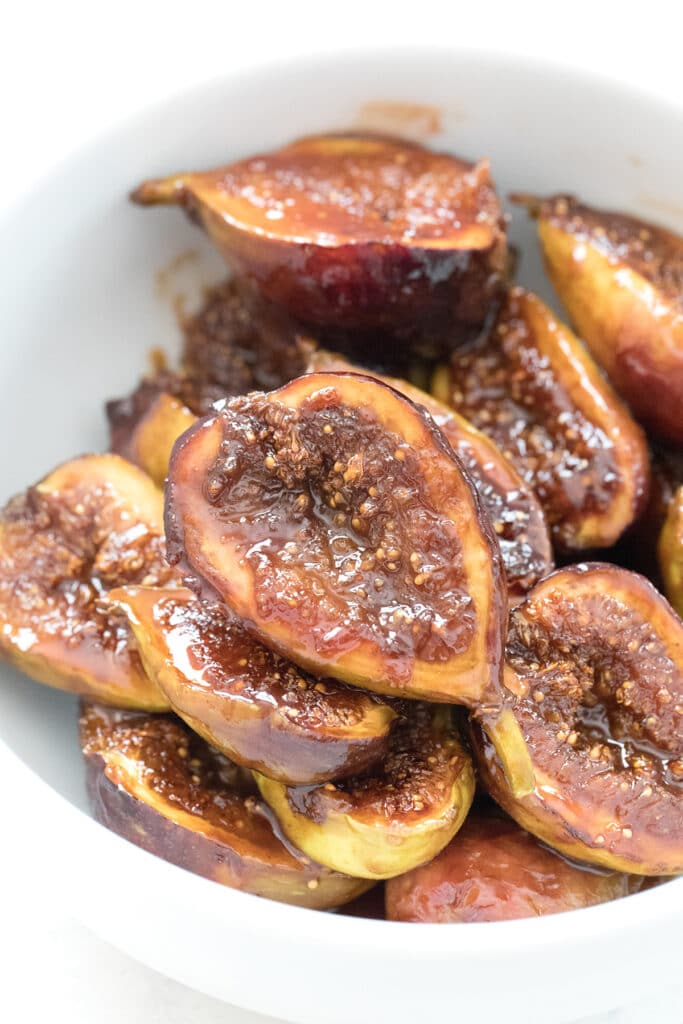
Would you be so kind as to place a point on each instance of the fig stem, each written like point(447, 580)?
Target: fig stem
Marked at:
point(159, 190)
point(504, 732)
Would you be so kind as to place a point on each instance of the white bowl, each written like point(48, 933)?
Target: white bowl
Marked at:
point(82, 302)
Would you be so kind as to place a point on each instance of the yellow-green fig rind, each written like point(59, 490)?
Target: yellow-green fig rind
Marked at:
point(621, 281)
point(258, 709)
point(93, 523)
point(368, 829)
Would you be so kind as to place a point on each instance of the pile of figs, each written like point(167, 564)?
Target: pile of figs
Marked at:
point(369, 591)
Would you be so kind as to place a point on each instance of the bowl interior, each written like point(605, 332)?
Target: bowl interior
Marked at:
point(90, 283)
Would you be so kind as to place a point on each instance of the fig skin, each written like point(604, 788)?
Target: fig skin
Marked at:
point(513, 508)
point(670, 552)
point(621, 281)
point(344, 231)
point(594, 673)
point(256, 497)
point(495, 871)
point(94, 523)
point(151, 441)
point(156, 784)
point(534, 390)
point(258, 709)
point(392, 818)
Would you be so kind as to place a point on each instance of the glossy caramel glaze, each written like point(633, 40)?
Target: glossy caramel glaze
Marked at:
point(257, 708)
point(397, 814)
point(513, 508)
point(594, 669)
point(334, 518)
point(92, 524)
point(495, 871)
point(157, 784)
point(532, 388)
point(353, 230)
point(670, 551)
point(621, 281)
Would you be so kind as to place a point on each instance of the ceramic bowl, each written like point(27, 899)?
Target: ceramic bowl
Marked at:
point(88, 287)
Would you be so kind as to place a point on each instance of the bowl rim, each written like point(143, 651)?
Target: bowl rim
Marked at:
point(237, 908)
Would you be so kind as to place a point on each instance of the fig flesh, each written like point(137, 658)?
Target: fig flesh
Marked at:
point(513, 508)
point(333, 518)
point(621, 281)
point(495, 871)
point(152, 438)
point(594, 673)
point(534, 390)
point(353, 230)
point(392, 818)
point(93, 524)
point(151, 780)
point(258, 709)
point(671, 552)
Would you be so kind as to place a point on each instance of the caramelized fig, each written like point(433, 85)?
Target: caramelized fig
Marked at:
point(152, 439)
point(671, 552)
point(392, 818)
point(151, 780)
point(256, 707)
point(514, 510)
point(531, 386)
point(621, 281)
point(92, 524)
point(594, 673)
point(353, 230)
point(495, 871)
point(334, 519)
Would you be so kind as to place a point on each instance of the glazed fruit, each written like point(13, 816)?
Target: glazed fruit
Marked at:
point(389, 819)
point(333, 518)
point(151, 439)
point(671, 552)
point(594, 672)
point(515, 512)
point(531, 387)
point(495, 871)
point(92, 524)
point(353, 230)
point(621, 281)
point(154, 782)
point(257, 708)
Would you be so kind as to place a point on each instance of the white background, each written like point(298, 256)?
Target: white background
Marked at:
point(67, 71)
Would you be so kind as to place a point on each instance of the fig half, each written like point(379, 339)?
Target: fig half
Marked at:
point(594, 672)
point(621, 281)
point(671, 552)
point(92, 524)
point(334, 519)
point(495, 871)
point(151, 780)
point(392, 818)
point(513, 508)
point(353, 230)
point(532, 387)
point(257, 708)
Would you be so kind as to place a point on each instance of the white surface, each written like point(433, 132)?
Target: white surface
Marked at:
point(60, 79)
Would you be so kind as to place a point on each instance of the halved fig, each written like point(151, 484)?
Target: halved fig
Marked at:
point(594, 674)
point(152, 438)
point(671, 552)
point(495, 871)
point(353, 230)
point(532, 387)
point(334, 519)
point(94, 523)
point(157, 784)
point(392, 818)
point(256, 707)
point(621, 281)
point(513, 508)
